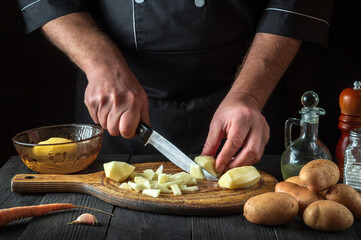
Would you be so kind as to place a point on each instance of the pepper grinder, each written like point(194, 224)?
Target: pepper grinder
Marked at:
point(350, 105)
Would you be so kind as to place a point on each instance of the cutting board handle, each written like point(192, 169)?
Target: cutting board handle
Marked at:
point(55, 183)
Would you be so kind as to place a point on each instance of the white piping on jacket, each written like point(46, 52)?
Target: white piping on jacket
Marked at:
point(134, 32)
point(30, 5)
point(301, 14)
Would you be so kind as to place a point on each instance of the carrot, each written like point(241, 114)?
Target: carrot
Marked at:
point(11, 214)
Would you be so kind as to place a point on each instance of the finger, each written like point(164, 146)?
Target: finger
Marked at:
point(128, 124)
point(253, 148)
point(93, 110)
point(103, 112)
point(213, 140)
point(113, 121)
point(233, 143)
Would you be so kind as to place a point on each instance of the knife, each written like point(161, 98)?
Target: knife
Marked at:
point(168, 149)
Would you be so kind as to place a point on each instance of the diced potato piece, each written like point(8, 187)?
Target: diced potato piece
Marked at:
point(161, 188)
point(240, 177)
point(208, 163)
point(139, 179)
point(162, 178)
point(118, 171)
point(136, 174)
point(149, 174)
point(125, 186)
point(159, 170)
point(175, 189)
point(168, 184)
point(135, 186)
point(188, 189)
point(196, 171)
point(151, 192)
point(185, 177)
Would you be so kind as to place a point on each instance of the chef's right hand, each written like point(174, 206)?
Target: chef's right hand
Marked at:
point(116, 100)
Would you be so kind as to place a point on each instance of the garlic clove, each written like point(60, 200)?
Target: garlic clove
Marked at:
point(86, 218)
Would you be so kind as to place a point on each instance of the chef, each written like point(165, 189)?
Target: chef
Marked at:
point(198, 71)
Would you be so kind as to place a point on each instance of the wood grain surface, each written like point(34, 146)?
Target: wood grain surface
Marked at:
point(209, 200)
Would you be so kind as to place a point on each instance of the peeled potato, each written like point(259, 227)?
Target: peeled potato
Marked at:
point(118, 171)
point(208, 163)
point(240, 177)
point(60, 152)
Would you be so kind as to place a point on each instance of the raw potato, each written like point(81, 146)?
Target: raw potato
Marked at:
point(303, 196)
point(273, 208)
point(347, 196)
point(320, 174)
point(240, 177)
point(118, 171)
point(326, 215)
point(296, 180)
point(151, 192)
point(196, 171)
point(58, 152)
point(208, 163)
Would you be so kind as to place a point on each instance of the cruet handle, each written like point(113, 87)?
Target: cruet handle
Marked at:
point(288, 130)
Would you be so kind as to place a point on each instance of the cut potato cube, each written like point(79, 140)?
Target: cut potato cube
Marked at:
point(161, 188)
point(167, 184)
point(149, 174)
point(151, 192)
point(162, 178)
point(159, 170)
point(118, 171)
point(135, 186)
point(139, 179)
point(240, 177)
point(125, 186)
point(175, 189)
point(188, 189)
point(208, 163)
point(196, 171)
point(185, 177)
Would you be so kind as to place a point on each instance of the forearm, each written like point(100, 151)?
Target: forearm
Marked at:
point(78, 36)
point(266, 62)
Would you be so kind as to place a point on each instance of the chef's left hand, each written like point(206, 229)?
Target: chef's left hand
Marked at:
point(240, 121)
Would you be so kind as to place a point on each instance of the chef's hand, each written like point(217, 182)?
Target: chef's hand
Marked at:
point(116, 100)
point(239, 120)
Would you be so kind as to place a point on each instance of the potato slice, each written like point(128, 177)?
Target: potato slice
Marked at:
point(118, 171)
point(162, 178)
point(159, 170)
point(152, 192)
point(188, 189)
point(175, 189)
point(208, 163)
point(196, 171)
point(161, 188)
point(135, 186)
point(149, 174)
point(240, 177)
point(125, 186)
point(168, 184)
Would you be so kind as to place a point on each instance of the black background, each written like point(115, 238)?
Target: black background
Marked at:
point(37, 80)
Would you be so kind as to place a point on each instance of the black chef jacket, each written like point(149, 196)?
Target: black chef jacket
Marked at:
point(185, 53)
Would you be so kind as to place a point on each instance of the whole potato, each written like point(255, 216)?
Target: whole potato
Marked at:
point(326, 215)
point(347, 196)
point(303, 195)
point(273, 208)
point(296, 180)
point(320, 174)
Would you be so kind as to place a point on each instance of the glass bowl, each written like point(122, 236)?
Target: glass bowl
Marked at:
point(59, 158)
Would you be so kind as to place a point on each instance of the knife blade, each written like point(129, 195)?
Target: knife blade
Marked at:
point(150, 136)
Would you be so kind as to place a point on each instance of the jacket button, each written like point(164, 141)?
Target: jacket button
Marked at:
point(139, 1)
point(199, 3)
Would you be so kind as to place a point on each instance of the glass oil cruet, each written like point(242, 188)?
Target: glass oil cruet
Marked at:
point(307, 146)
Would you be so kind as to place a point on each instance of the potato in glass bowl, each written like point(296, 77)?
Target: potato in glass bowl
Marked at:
point(59, 149)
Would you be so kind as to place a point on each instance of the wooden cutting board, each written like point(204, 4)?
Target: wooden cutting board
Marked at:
point(209, 200)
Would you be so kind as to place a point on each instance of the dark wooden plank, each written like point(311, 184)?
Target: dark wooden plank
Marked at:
point(229, 227)
point(129, 224)
point(297, 230)
point(49, 226)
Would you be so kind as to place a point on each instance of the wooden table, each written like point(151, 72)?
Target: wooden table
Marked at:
point(129, 224)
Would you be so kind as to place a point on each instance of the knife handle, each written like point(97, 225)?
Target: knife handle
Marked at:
point(144, 130)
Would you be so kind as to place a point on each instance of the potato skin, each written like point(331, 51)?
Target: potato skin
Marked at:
point(326, 215)
point(273, 208)
point(347, 196)
point(296, 180)
point(303, 195)
point(320, 174)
